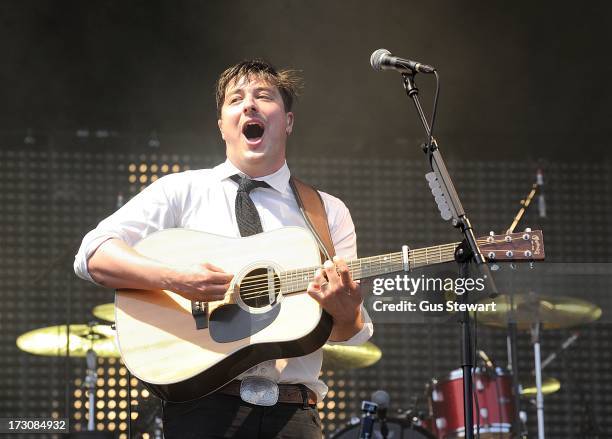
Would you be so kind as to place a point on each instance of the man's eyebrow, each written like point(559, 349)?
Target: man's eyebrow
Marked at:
point(240, 89)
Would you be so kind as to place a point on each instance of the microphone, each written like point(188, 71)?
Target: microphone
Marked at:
point(382, 398)
point(382, 59)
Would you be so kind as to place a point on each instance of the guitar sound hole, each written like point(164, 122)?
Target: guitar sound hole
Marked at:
point(255, 288)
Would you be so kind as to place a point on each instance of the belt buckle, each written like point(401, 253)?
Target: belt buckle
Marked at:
point(259, 391)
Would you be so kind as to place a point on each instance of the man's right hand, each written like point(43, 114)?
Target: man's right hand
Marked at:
point(203, 282)
point(117, 265)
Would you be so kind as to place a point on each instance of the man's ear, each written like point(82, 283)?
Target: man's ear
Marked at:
point(220, 125)
point(290, 119)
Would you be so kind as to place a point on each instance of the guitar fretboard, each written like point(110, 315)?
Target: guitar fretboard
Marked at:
point(297, 280)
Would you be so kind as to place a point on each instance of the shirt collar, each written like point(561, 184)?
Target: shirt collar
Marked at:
point(278, 180)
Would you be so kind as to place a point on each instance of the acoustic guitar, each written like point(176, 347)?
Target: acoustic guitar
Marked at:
point(182, 350)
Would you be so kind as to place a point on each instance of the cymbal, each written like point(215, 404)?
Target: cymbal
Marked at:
point(105, 311)
point(51, 341)
point(350, 357)
point(549, 385)
point(553, 312)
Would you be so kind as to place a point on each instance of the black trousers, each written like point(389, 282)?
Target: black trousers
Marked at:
point(226, 416)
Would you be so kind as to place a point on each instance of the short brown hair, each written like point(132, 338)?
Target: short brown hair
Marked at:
point(288, 82)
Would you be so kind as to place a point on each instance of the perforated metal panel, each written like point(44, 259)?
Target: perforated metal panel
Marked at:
point(51, 199)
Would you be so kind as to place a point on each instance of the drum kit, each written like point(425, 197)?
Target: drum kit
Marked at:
point(495, 407)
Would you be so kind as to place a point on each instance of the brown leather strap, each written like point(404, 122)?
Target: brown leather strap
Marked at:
point(311, 204)
point(287, 393)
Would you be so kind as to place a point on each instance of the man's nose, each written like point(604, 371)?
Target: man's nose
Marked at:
point(249, 104)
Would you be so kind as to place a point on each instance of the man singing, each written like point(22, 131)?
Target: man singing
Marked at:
point(255, 119)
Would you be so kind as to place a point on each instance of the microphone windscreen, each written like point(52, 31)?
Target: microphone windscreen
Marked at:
point(381, 398)
point(377, 57)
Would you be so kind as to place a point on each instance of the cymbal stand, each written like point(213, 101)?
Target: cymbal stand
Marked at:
point(90, 383)
point(535, 340)
point(517, 424)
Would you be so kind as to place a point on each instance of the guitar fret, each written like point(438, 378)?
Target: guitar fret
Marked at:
point(298, 280)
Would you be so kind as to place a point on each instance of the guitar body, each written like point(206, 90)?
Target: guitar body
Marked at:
point(157, 334)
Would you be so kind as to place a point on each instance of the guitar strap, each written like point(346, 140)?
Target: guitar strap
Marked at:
point(313, 210)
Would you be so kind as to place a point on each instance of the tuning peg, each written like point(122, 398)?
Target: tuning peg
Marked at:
point(528, 229)
point(491, 233)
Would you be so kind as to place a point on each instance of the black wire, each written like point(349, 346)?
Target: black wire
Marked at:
point(434, 109)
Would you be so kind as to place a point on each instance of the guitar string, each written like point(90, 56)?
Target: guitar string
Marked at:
point(353, 265)
point(254, 288)
point(257, 290)
point(297, 285)
point(426, 250)
point(417, 255)
point(305, 274)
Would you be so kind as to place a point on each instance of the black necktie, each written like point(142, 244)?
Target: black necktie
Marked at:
point(246, 213)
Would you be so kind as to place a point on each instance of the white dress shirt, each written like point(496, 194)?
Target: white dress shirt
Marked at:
point(204, 200)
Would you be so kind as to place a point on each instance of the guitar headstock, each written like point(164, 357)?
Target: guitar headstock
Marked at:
point(519, 246)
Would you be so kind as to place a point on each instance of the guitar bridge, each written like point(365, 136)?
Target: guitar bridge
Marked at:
point(199, 310)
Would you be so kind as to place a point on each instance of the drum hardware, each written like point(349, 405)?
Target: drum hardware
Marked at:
point(90, 341)
point(368, 409)
point(350, 357)
point(158, 432)
point(535, 312)
point(492, 395)
point(519, 426)
point(52, 340)
point(398, 428)
point(535, 340)
point(551, 312)
point(105, 311)
point(549, 386)
point(90, 383)
point(381, 398)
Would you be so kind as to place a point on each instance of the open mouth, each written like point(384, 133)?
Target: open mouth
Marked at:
point(253, 131)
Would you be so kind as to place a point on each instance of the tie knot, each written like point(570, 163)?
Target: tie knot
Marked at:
point(245, 184)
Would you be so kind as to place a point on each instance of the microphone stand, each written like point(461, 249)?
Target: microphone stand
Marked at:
point(467, 252)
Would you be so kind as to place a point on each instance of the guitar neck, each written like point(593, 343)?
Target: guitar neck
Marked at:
point(363, 268)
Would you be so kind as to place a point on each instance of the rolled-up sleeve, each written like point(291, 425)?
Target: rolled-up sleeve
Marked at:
point(151, 210)
point(345, 243)
point(362, 336)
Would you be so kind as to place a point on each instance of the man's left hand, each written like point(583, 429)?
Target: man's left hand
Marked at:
point(339, 295)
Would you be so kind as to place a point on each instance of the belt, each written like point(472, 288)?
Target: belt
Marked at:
point(287, 393)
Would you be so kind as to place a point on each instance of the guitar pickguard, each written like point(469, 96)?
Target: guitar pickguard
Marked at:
point(229, 323)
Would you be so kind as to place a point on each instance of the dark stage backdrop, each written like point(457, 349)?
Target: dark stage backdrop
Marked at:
point(519, 80)
point(50, 199)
